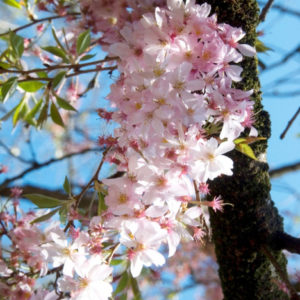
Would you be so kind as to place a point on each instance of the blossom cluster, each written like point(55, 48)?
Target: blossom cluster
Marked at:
point(178, 116)
point(33, 249)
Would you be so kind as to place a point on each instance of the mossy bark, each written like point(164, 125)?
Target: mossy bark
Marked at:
point(240, 232)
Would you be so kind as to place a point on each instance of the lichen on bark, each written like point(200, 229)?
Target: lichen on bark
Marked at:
point(240, 231)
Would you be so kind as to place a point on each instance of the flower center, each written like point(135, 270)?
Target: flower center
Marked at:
point(123, 198)
point(83, 283)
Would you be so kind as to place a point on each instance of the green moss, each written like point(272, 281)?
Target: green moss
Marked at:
point(239, 232)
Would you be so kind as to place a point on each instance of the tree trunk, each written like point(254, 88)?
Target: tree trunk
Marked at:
point(243, 231)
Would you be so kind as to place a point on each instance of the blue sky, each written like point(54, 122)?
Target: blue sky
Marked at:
point(281, 33)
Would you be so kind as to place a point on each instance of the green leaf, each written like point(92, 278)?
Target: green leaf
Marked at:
point(245, 149)
point(87, 57)
point(63, 214)
point(8, 88)
point(123, 283)
point(57, 52)
point(58, 78)
point(116, 262)
point(43, 115)
point(261, 47)
point(83, 41)
point(4, 65)
point(123, 297)
point(42, 74)
point(249, 140)
point(101, 204)
point(13, 3)
point(55, 116)
point(31, 86)
point(64, 104)
point(17, 44)
point(59, 44)
point(43, 201)
point(135, 289)
point(67, 186)
point(34, 111)
point(17, 113)
point(46, 216)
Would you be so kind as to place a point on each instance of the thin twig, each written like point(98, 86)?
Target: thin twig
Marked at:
point(115, 248)
point(95, 177)
point(87, 186)
point(39, 166)
point(196, 191)
point(39, 21)
point(290, 124)
point(285, 169)
point(265, 10)
point(291, 94)
point(48, 79)
point(55, 67)
point(10, 152)
point(92, 70)
point(282, 274)
point(283, 60)
point(284, 9)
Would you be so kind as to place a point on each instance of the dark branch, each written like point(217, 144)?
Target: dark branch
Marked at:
point(9, 152)
point(47, 163)
point(265, 10)
point(290, 123)
point(285, 169)
point(39, 21)
point(283, 94)
point(287, 10)
point(284, 241)
point(62, 66)
point(284, 59)
point(282, 9)
point(30, 189)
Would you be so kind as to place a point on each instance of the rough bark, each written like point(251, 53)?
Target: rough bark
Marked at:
point(242, 230)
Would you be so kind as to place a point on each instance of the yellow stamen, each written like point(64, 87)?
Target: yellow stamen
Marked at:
point(140, 247)
point(138, 105)
point(83, 283)
point(206, 55)
point(178, 85)
point(158, 72)
point(123, 198)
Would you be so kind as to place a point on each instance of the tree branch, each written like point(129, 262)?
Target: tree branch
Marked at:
point(69, 75)
point(281, 240)
point(265, 10)
point(286, 10)
point(95, 177)
point(285, 169)
point(284, 59)
point(37, 166)
point(39, 21)
point(56, 67)
point(290, 123)
point(291, 94)
point(30, 189)
point(9, 151)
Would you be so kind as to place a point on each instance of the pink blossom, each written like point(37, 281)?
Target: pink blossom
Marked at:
point(143, 239)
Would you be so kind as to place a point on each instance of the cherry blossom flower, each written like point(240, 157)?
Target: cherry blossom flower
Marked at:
point(142, 238)
point(93, 282)
point(210, 161)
